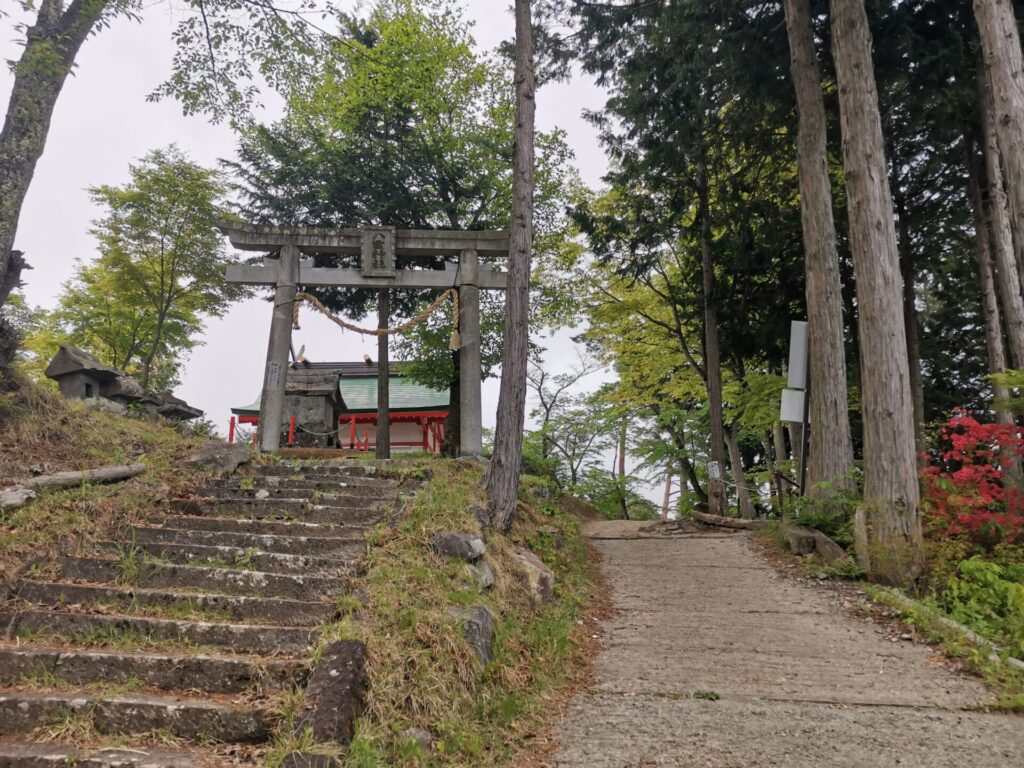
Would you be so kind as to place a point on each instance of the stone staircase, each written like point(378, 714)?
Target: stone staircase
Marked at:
point(182, 642)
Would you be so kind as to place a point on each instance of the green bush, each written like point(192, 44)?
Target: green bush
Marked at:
point(988, 597)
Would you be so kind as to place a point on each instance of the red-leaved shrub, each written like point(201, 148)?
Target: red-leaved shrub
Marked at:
point(964, 486)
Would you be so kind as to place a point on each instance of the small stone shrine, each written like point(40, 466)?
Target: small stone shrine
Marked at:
point(80, 376)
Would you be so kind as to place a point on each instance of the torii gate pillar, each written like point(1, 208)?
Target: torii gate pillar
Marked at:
point(276, 372)
point(470, 412)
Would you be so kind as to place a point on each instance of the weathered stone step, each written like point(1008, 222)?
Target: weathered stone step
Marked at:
point(344, 548)
point(231, 581)
point(330, 512)
point(239, 557)
point(340, 497)
point(23, 754)
point(323, 471)
point(313, 483)
point(262, 639)
point(296, 613)
point(273, 527)
point(211, 674)
point(184, 718)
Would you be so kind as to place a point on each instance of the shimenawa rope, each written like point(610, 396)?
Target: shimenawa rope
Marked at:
point(421, 316)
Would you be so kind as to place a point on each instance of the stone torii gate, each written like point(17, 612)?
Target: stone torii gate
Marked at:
point(378, 248)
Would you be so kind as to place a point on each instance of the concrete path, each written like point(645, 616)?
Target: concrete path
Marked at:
point(798, 681)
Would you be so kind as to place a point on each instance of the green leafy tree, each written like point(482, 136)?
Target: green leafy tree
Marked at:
point(223, 45)
point(403, 124)
point(140, 306)
point(159, 239)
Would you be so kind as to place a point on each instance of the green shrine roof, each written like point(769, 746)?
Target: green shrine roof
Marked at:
point(359, 394)
point(403, 394)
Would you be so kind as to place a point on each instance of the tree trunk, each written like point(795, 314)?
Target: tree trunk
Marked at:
point(1000, 234)
point(908, 272)
point(383, 380)
point(147, 362)
point(888, 526)
point(739, 476)
point(623, 430)
point(620, 487)
point(1004, 64)
point(503, 478)
point(9, 336)
point(795, 430)
point(832, 452)
point(774, 487)
point(690, 473)
point(990, 307)
point(779, 438)
point(717, 500)
point(51, 46)
point(666, 499)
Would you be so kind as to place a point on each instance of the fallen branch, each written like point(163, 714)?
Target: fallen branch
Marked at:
point(12, 498)
point(23, 492)
point(726, 522)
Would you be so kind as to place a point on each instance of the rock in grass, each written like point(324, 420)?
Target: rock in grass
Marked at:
point(478, 629)
point(420, 736)
point(336, 693)
point(216, 454)
point(481, 514)
point(464, 546)
point(539, 578)
point(481, 573)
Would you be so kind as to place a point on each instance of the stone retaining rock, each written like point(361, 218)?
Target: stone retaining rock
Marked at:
point(336, 694)
point(477, 623)
point(539, 578)
point(481, 573)
point(464, 546)
point(216, 454)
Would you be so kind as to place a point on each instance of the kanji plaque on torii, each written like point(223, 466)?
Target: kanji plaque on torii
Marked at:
point(379, 249)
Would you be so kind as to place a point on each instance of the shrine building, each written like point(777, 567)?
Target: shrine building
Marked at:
point(335, 405)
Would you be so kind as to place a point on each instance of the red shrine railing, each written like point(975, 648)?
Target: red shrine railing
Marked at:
point(432, 423)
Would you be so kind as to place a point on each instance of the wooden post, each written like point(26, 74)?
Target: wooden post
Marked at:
point(470, 416)
point(231, 431)
point(352, 434)
point(291, 431)
point(276, 372)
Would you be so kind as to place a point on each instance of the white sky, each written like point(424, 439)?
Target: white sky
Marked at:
point(103, 122)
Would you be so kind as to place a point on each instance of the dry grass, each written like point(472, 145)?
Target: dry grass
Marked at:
point(422, 672)
point(37, 428)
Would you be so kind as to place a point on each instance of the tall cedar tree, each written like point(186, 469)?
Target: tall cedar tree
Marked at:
point(831, 444)
point(889, 536)
point(503, 478)
point(1004, 63)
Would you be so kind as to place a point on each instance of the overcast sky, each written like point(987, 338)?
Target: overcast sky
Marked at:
point(103, 122)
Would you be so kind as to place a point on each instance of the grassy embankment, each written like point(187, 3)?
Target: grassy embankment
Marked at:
point(423, 674)
point(39, 429)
